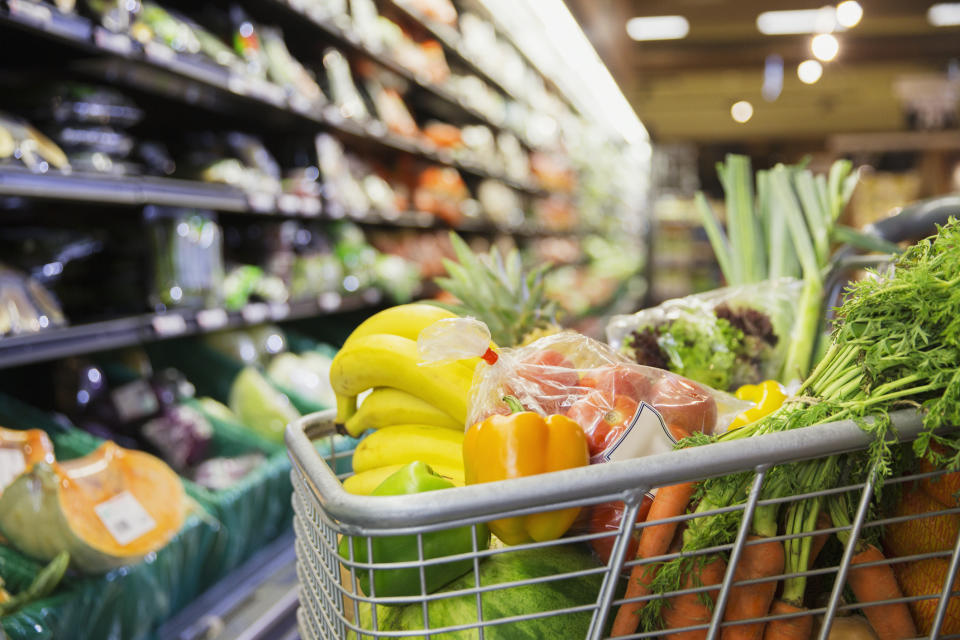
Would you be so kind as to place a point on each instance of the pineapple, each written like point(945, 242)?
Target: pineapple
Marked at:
point(493, 288)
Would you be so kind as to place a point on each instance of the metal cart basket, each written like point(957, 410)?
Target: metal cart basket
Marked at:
point(332, 605)
point(513, 604)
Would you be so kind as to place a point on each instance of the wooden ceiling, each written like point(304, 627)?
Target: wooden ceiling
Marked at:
point(683, 89)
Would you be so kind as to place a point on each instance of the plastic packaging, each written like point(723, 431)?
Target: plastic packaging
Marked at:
point(188, 258)
point(723, 338)
point(626, 410)
point(25, 306)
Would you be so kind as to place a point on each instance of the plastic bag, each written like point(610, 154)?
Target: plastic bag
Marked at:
point(626, 410)
point(723, 338)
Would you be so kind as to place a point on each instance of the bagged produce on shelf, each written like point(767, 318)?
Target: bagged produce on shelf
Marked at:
point(187, 258)
point(20, 450)
point(442, 192)
point(724, 338)
point(343, 91)
point(391, 109)
point(22, 144)
point(286, 71)
point(307, 373)
point(25, 305)
point(340, 187)
point(218, 474)
point(260, 406)
point(440, 11)
point(500, 203)
point(82, 104)
point(107, 509)
point(117, 16)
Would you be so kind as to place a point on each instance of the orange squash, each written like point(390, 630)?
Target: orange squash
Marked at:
point(921, 533)
point(20, 450)
point(108, 509)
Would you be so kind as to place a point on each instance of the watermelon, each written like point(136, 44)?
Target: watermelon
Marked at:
point(507, 602)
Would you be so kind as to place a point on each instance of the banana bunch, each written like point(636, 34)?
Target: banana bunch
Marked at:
point(417, 411)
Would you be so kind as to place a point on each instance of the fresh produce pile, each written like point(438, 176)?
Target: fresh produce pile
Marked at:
point(562, 402)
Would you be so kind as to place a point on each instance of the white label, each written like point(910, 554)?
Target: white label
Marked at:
point(310, 206)
point(261, 201)
point(255, 313)
point(167, 325)
point(210, 319)
point(12, 464)
point(159, 52)
point(288, 203)
point(646, 435)
point(135, 400)
point(279, 310)
point(330, 301)
point(116, 42)
point(31, 12)
point(125, 518)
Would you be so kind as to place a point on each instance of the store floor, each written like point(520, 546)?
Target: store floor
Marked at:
point(257, 601)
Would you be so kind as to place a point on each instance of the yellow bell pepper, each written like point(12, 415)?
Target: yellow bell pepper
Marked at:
point(524, 444)
point(767, 396)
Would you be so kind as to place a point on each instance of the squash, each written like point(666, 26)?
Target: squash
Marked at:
point(108, 509)
point(20, 450)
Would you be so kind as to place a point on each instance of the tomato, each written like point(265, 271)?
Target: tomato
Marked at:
point(549, 377)
point(685, 405)
point(602, 419)
point(606, 517)
point(618, 380)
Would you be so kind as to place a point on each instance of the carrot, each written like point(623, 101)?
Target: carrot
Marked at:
point(798, 628)
point(689, 609)
point(820, 539)
point(654, 541)
point(871, 584)
point(763, 560)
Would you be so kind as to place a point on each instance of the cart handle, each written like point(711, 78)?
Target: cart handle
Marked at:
point(586, 484)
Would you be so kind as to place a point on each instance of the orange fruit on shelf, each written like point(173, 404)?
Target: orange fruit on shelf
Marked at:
point(926, 577)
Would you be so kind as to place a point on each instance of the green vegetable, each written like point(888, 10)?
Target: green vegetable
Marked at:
point(529, 599)
point(43, 585)
point(259, 406)
point(416, 477)
point(896, 342)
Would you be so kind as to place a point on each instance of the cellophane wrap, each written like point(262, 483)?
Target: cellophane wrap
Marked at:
point(608, 396)
point(723, 338)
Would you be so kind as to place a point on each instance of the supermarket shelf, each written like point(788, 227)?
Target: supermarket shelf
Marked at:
point(256, 601)
point(128, 60)
point(124, 332)
point(137, 190)
point(452, 42)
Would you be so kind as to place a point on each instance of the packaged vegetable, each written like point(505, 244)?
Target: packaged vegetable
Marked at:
point(724, 338)
point(626, 410)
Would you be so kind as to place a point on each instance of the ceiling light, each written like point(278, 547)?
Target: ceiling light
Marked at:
point(825, 47)
point(658, 28)
point(741, 111)
point(809, 71)
point(944, 14)
point(849, 13)
point(775, 23)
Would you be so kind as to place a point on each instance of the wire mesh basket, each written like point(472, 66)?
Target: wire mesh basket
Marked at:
point(562, 589)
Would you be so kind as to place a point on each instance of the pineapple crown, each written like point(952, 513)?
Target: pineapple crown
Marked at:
point(493, 288)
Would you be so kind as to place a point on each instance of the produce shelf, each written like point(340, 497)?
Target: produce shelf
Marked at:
point(123, 332)
point(195, 81)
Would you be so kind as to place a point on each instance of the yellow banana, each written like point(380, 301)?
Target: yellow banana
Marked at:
point(386, 406)
point(383, 360)
point(405, 320)
point(404, 443)
point(346, 407)
point(363, 483)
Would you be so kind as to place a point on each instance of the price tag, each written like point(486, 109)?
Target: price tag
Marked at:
point(646, 435)
point(116, 42)
point(279, 310)
point(124, 517)
point(310, 206)
point(134, 401)
point(211, 319)
point(261, 201)
point(169, 324)
point(255, 313)
point(12, 464)
point(288, 203)
point(330, 301)
point(159, 52)
point(31, 12)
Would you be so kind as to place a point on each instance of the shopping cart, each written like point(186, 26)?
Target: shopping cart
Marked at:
point(508, 604)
